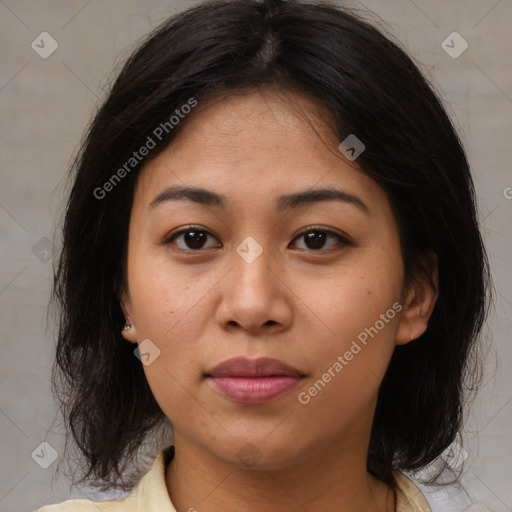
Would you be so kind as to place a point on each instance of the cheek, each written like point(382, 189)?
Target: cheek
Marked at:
point(356, 314)
point(170, 312)
point(350, 298)
point(166, 299)
point(347, 369)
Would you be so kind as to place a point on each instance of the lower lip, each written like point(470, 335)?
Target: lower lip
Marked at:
point(254, 390)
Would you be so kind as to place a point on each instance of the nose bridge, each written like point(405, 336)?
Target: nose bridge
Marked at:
point(253, 260)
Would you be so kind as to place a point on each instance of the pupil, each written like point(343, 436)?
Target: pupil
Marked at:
point(316, 238)
point(195, 242)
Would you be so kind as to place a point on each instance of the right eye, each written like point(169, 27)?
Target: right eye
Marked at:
point(194, 239)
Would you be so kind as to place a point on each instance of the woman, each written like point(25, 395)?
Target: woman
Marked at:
point(271, 244)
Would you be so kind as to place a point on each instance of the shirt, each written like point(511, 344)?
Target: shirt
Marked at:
point(151, 495)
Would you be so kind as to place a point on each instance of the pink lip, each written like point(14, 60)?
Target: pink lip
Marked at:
point(254, 381)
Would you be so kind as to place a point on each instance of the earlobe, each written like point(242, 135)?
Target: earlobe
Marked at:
point(419, 304)
point(128, 332)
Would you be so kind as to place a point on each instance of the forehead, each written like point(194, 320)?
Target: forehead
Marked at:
point(253, 145)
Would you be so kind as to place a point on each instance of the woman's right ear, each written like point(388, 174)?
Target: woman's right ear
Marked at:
point(129, 331)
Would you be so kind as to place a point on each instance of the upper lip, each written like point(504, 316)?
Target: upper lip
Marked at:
point(260, 367)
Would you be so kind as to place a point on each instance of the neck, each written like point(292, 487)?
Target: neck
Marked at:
point(331, 480)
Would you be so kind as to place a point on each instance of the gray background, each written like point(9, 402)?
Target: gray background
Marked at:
point(45, 106)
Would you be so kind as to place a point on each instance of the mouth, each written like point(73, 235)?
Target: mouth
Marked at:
point(254, 381)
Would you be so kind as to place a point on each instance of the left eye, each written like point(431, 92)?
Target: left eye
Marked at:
point(194, 239)
point(316, 238)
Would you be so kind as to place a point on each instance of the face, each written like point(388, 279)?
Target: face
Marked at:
point(316, 285)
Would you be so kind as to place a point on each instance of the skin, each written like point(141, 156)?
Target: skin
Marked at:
point(298, 304)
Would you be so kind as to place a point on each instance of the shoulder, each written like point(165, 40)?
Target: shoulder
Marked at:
point(128, 504)
point(451, 497)
point(150, 494)
point(409, 497)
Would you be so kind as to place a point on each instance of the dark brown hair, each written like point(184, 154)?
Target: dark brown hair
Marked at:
point(372, 89)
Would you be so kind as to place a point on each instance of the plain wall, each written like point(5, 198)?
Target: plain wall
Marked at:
point(45, 106)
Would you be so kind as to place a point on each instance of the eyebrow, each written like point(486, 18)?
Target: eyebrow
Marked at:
point(285, 202)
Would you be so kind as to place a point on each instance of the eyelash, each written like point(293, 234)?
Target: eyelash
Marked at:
point(343, 241)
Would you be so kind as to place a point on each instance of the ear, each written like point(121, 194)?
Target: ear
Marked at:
point(421, 297)
point(126, 305)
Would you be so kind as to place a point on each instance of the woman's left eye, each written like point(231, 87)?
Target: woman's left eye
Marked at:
point(316, 238)
point(195, 238)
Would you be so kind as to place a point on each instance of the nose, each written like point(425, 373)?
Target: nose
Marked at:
point(254, 295)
